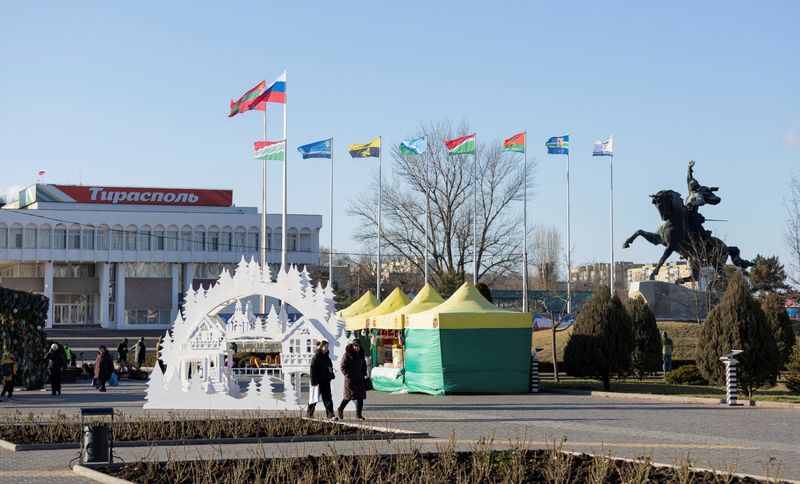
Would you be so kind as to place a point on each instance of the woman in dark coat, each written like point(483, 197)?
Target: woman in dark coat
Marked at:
point(103, 366)
point(321, 375)
point(55, 360)
point(354, 368)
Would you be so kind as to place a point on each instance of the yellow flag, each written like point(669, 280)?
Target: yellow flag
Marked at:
point(367, 150)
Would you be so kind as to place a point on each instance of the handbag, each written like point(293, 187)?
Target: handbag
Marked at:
point(368, 383)
point(313, 394)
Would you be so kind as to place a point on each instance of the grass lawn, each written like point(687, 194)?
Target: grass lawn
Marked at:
point(778, 393)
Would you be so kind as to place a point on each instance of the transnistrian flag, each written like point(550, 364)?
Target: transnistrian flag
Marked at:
point(416, 146)
point(367, 150)
point(515, 143)
point(317, 149)
point(604, 148)
point(270, 150)
point(464, 145)
point(246, 102)
point(558, 145)
point(275, 93)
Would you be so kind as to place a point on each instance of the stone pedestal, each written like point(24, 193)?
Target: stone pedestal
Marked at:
point(673, 302)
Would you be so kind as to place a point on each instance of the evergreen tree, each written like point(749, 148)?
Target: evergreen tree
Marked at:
point(602, 339)
point(485, 291)
point(739, 323)
point(767, 275)
point(793, 365)
point(774, 306)
point(646, 356)
point(449, 283)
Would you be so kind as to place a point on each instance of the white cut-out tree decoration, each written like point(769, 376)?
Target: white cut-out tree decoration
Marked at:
point(197, 352)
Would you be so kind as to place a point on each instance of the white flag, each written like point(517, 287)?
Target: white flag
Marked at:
point(604, 148)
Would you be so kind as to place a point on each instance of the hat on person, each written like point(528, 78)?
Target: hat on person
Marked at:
point(356, 340)
point(53, 347)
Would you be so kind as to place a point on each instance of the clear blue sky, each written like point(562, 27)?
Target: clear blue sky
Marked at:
point(136, 93)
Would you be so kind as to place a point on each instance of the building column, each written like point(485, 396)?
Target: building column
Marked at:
point(176, 291)
point(103, 272)
point(188, 276)
point(48, 292)
point(119, 304)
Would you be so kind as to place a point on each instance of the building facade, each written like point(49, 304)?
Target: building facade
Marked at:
point(123, 257)
point(670, 272)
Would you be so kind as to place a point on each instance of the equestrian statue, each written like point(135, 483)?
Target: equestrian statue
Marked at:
point(683, 231)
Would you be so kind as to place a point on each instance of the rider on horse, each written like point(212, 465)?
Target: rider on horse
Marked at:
point(698, 196)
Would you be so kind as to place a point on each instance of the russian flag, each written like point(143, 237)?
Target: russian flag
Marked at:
point(275, 93)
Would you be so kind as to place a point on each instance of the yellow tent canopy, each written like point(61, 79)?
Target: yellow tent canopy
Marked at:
point(426, 299)
point(394, 301)
point(365, 303)
point(467, 309)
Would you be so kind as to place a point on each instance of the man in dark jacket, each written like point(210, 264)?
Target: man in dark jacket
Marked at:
point(55, 361)
point(321, 376)
point(139, 353)
point(354, 368)
point(122, 350)
point(103, 366)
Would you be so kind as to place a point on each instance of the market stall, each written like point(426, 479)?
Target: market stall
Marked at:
point(467, 345)
point(388, 369)
point(360, 323)
point(365, 303)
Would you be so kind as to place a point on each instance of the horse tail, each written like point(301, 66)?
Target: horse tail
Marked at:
point(734, 252)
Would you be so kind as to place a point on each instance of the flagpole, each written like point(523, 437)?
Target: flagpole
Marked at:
point(569, 246)
point(380, 227)
point(611, 212)
point(427, 209)
point(475, 213)
point(284, 230)
point(330, 254)
point(263, 298)
point(525, 225)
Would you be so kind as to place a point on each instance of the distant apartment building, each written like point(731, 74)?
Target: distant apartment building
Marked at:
point(670, 272)
point(588, 276)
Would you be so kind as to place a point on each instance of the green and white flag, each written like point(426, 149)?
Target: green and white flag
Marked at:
point(270, 150)
point(464, 145)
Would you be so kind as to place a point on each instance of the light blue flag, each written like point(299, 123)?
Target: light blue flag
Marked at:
point(317, 149)
point(416, 146)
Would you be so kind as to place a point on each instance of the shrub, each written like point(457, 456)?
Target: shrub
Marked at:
point(449, 283)
point(686, 375)
point(22, 320)
point(774, 306)
point(738, 322)
point(793, 365)
point(646, 356)
point(602, 339)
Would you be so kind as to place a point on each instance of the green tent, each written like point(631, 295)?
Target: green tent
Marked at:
point(467, 345)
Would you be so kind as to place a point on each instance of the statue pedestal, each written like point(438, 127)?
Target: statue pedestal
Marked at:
point(673, 302)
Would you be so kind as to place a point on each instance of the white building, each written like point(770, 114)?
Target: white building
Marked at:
point(123, 257)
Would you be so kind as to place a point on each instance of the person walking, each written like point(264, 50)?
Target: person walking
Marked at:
point(122, 351)
point(139, 353)
point(103, 366)
point(354, 368)
point(67, 355)
point(321, 376)
point(9, 369)
point(666, 349)
point(55, 361)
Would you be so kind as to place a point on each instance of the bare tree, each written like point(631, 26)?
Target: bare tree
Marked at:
point(544, 255)
point(449, 182)
point(792, 233)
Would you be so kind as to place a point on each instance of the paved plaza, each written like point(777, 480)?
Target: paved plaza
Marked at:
point(753, 439)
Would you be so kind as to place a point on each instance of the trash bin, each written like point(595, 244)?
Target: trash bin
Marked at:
point(95, 443)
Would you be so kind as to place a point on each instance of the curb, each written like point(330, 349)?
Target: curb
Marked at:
point(246, 440)
point(669, 398)
point(88, 472)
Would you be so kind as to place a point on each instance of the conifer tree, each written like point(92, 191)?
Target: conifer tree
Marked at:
point(774, 306)
point(449, 283)
point(602, 339)
point(646, 356)
point(793, 366)
point(739, 323)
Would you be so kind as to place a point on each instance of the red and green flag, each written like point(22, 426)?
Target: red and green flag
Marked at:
point(515, 143)
point(464, 145)
point(246, 102)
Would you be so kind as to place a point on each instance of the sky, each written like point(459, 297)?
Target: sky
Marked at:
point(137, 94)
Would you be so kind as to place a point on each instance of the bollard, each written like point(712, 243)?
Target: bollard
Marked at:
point(731, 378)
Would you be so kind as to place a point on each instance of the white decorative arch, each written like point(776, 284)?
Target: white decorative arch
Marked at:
point(197, 375)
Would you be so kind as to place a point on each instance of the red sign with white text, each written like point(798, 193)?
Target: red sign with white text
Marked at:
point(134, 196)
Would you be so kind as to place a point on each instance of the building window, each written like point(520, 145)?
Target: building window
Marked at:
point(147, 316)
point(278, 238)
point(238, 242)
point(16, 238)
point(60, 237)
point(45, 233)
point(74, 238)
point(3, 237)
point(30, 237)
point(144, 240)
point(102, 238)
point(291, 240)
point(304, 245)
point(171, 242)
point(186, 240)
point(252, 241)
point(73, 270)
point(226, 241)
point(158, 240)
point(88, 238)
point(130, 239)
point(117, 239)
point(199, 240)
point(212, 243)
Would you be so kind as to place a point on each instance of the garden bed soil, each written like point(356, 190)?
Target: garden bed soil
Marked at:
point(447, 466)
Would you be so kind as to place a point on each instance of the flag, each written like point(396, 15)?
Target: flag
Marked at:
point(246, 102)
point(515, 143)
point(270, 150)
point(367, 150)
point(275, 93)
point(41, 172)
point(416, 146)
point(558, 145)
point(317, 149)
point(604, 148)
point(464, 145)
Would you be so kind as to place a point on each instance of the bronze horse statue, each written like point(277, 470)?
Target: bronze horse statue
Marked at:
point(683, 232)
